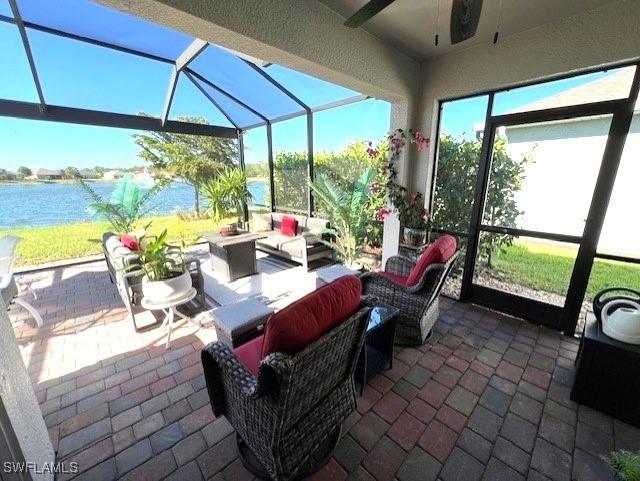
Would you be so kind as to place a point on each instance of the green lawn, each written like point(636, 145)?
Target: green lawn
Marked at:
point(548, 267)
point(54, 243)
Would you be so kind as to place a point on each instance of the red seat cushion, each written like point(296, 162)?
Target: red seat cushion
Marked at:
point(289, 226)
point(306, 320)
point(438, 252)
point(249, 354)
point(397, 278)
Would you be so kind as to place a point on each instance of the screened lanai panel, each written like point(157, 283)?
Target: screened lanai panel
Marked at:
point(241, 116)
point(189, 102)
point(5, 9)
point(235, 76)
point(19, 85)
point(82, 75)
point(312, 91)
point(89, 19)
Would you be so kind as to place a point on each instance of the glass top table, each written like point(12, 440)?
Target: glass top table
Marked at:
point(377, 350)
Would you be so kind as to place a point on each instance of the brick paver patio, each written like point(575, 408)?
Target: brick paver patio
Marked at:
point(486, 399)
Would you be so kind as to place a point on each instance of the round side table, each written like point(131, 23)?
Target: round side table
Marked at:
point(170, 311)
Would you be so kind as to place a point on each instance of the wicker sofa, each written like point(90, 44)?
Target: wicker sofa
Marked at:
point(122, 263)
point(414, 288)
point(303, 248)
point(287, 392)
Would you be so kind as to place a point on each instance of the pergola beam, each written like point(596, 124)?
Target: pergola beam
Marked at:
point(272, 184)
point(211, 99)
point(173, 83)
point(190, 53)
point(89, 40)
point(319, 108)
point(277, 85)
point(54, 113)
point(27, 48)
point(226, 94)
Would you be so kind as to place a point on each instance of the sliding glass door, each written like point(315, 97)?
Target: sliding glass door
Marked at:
point(541, 185)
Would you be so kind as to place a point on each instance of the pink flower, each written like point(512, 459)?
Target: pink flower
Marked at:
point(414, 198)
point(373, 153)
point(374, 188)
point(421, 141)
point(427, 214)
point(382, 213)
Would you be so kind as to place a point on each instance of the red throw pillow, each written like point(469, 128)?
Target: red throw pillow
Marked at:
point(438, 252)
point(129, 241)
point(306, 320)
point(289, 226)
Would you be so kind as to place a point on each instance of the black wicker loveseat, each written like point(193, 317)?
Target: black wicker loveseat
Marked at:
point(414, 288)
point(288, 392)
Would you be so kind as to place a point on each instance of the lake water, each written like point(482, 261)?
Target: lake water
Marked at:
point(31, 205)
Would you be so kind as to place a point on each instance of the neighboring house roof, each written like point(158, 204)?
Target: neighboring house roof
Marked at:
point(614, 86)
point(48, 172)
point(611, 87)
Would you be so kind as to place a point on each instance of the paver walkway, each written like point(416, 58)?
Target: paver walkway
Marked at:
point(486, 399)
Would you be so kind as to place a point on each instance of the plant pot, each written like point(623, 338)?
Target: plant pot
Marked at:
point(414, 237)
point(166, 289)
point(229, 229)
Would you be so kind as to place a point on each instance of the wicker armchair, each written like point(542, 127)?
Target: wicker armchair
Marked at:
point(288, 417)
point(418, 303)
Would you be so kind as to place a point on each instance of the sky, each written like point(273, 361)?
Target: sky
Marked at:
point(77, 74)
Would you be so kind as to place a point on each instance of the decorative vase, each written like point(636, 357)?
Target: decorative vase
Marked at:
point(166, 289)
point(414, 237)
point(229, 229)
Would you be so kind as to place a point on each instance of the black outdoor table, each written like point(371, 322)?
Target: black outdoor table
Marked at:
point(233, 256)
point(377, 350)
point(607, 374)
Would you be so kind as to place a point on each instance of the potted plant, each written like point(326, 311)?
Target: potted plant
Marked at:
point(413, 216)
point(414, 219)
point(625, 464)
point(165, 273)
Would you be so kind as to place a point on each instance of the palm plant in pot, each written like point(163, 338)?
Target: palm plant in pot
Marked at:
point(165, 271)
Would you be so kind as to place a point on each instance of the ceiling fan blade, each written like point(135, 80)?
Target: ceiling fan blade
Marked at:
point(369, 10)
point(465, 16)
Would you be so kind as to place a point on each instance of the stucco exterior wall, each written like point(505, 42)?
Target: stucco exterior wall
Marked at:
point(599, 37)
point(558, 184)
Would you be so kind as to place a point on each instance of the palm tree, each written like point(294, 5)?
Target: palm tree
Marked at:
point(345, 207)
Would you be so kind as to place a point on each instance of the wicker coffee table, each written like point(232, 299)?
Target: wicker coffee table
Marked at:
point(233, 256)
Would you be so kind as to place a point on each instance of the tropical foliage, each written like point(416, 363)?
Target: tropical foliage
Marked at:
point(455, 187)
point(127, 205)
point(227, 194)
point(195, 159)
point(160, 260)
point(346, 211)
point(344, 168)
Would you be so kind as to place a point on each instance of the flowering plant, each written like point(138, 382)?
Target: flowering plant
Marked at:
point(410, 207)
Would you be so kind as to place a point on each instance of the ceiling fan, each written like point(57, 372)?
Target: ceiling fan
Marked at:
point(465, 15)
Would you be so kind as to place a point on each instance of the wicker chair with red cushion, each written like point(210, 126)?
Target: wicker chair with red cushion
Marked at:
point(287, 392)
point(414, 288)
